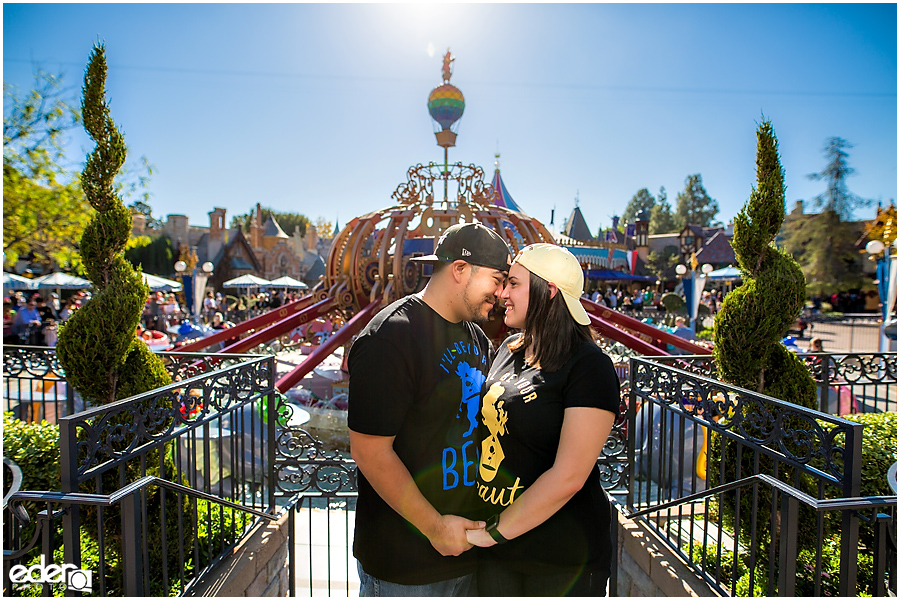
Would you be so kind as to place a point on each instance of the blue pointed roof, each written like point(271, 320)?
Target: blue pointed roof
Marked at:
point(501, 195)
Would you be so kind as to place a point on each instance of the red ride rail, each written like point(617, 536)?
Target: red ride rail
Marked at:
point(281, 327)
point(343, 334)
point(257, 322)
point(607, 316)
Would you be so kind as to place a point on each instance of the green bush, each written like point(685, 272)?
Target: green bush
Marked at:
point(673, 303)
point(35, 448)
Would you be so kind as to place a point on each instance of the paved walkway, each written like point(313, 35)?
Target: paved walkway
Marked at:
point(319, 530)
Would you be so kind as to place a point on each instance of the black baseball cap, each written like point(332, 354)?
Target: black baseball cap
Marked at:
point(473, 243)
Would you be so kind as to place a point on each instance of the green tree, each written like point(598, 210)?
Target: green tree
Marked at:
point(641, 201)
point(288, 220)
point(694, 206)
point(822, 243)
point(43, 207)
point(825, 248)
point(662, 264)
point(661, 218)
point(837, 197)
point(103, 358)
point(154, 256)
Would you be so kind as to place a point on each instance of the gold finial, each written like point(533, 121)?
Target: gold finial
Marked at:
point(694, 261)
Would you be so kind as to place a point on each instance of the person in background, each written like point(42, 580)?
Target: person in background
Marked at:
point(815, 345)
point(552, 398)
point(47, 312)
point(209, 307)
point(218, 321)
point(27, 324)
point(415, 381)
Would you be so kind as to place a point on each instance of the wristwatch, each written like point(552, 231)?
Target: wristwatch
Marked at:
point(492, 529)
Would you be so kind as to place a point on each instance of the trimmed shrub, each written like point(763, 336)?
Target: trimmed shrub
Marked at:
point(97, 346)
point(748, 331)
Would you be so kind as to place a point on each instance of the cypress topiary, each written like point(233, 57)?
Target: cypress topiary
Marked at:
point(748, 331)
point(103, 358)
point(755, 317)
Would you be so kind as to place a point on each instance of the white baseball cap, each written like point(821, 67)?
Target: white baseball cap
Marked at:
point(558, 266)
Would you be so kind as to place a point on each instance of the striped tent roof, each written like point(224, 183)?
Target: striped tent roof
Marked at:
point(501, 195)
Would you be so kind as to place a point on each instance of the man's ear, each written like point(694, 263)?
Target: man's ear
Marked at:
point(459, 269)
point(553, 289)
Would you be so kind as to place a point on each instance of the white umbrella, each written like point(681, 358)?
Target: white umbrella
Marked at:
point(726, 274)
point(161, 284)
point(288, 282)
point(246, 281)
point(12, 281)
point(62, 281)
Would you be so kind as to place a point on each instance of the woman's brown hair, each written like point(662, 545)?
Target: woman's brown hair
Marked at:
point(550, 328)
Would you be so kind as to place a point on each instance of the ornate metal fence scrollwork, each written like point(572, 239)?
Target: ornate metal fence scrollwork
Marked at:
point(848, 382)
point(780, 430)
point(34, 386)
point(304, 465)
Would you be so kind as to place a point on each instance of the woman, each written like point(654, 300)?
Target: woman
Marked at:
point(552, 397)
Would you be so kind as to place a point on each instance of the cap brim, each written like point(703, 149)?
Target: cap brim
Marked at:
point(429, 259)
point(576, 309)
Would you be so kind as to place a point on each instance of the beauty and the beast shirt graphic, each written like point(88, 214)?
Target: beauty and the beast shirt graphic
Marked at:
point(459, 461)
point(492, 455)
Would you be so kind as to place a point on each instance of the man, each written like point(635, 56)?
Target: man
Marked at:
point(415, 380)
point(682, 331)
point(46, 311)
point(27, 324)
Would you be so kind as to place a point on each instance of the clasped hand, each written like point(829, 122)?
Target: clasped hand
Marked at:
point(451, 535)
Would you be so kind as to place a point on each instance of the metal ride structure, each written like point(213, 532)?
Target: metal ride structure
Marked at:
point(369, 263)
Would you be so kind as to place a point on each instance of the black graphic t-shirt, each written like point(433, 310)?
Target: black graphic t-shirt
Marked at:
point(521, 421)
point(418, 377)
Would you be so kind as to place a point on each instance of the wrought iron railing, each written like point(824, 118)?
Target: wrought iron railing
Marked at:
point(34, 386)
point(212, 430)
point(847, 383)
point(696, 443)
point(134, 523)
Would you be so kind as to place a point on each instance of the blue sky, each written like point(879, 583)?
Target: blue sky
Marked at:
point(321, 108)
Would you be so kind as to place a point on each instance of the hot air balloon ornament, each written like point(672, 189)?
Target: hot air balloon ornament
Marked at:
point(446, 105)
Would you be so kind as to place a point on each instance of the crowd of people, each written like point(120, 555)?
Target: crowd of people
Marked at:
point(30, 318)
point(645, 299)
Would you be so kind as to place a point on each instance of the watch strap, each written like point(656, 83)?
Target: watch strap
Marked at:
point(491, 528)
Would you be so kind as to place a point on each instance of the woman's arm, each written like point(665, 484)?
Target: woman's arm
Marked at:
point(584, 433)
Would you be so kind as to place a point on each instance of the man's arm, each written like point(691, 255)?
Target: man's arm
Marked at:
point(376, 458)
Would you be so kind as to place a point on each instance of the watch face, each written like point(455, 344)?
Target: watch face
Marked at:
point(493, 522)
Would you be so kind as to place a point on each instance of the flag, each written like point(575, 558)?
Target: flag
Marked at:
point(630, 230)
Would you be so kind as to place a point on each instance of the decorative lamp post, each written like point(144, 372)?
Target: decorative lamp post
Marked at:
point(201, 276)
point(693, 284)
point(194, 285)
point(886, 272)
point(446, 105)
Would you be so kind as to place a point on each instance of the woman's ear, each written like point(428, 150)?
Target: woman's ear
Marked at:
point(553, 289)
